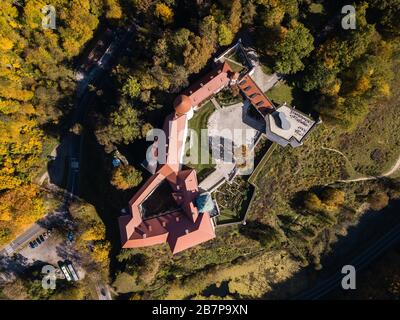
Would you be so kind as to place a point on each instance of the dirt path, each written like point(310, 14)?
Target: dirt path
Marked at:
point(337, 151)
point(395, 167)
point(388, 173)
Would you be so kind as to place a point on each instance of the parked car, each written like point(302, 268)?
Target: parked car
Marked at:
point(38, 240)
point(32, 244)
point(41, 238)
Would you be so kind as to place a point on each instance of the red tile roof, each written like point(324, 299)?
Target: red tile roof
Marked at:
point(210, 84)
point(184, 227)
point(182, 104)
point(257, 98)
point(181, 229)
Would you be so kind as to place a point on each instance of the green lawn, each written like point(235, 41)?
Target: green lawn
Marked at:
point(197, 123)
point(280, 94)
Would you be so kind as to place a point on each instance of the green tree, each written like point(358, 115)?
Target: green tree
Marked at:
point(131, 87)
point(296, 43)
point(124, 126)
point(225, 35)
point(386, 14)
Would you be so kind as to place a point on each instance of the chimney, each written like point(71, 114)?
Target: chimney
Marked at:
point(177, 219)
point(186, 231)
point(164, 224)
point(144, 236)
point(150, 228)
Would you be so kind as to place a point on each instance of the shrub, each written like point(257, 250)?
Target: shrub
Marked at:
point(126, 177)
point(378, 200)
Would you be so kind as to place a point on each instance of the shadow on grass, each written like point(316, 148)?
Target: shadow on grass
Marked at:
point(97, 190)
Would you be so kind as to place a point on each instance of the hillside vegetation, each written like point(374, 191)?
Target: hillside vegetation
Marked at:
point(347, 77)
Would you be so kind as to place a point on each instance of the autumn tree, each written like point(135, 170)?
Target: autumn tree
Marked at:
point(125, 177)
point(378, 200)
point(101, 252)
point(333, 197)
point(164, 12)
point(114, 10)
point(327, 200)
point(35, 75)
point(312, 202)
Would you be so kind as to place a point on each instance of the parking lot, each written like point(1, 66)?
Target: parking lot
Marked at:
point(46, 251)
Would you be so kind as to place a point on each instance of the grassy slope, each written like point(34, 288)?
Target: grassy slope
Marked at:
point(379, 134)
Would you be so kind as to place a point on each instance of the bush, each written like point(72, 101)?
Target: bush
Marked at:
point(312, 202)
point(125, 283)
point(5, 234)
point(125, 177)
point(333, 197)
point(378, 200)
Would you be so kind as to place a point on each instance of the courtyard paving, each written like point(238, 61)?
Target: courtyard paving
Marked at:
point(227, 125)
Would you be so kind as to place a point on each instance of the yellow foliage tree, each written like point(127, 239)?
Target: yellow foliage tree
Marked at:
point(114, 10)
point(5, 43)
point(312, 202)
point(164, 12)
point(95, 232)
point(101, 251)
point(362, 85)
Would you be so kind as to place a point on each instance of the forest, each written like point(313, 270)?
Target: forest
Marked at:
point(338, 75)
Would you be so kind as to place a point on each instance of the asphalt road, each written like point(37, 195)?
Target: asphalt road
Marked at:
point(103, 292)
